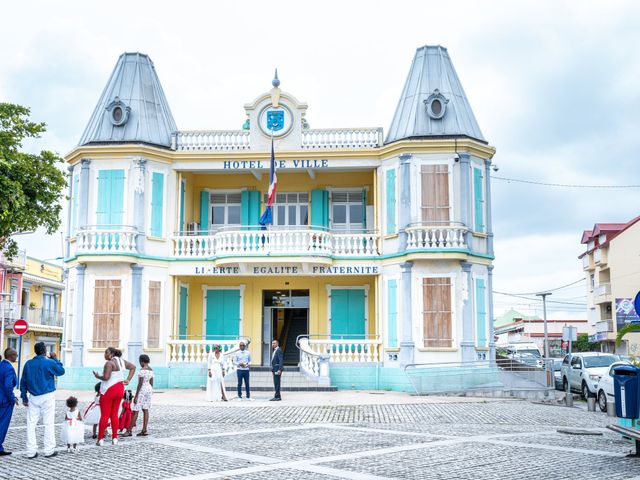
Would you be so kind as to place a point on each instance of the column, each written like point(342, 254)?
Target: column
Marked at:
point(67, 248)
point(492, 343)
point(77, 342)
point(64, 306)
point(404, 217)
point(134, 347)
point(487, 188)
point(465, 196)
point(83, 191)
point(407, 346)
point(467, 344)
point(140, 167)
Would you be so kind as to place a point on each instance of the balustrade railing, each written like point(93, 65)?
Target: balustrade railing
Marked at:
point(341, 138)
point(254, 241)
point(19, 261)
point(206, 140)
point(436, 236)
point(198, 350)
point(346, 350)
point(39, 316)
point(106, 239)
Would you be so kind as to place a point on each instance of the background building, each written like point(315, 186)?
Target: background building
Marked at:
point(379, 254)
point(612, 268)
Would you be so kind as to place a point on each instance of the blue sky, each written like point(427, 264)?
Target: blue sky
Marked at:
point(553, 84)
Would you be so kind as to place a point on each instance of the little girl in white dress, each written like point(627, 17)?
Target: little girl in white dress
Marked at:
point(73, 427)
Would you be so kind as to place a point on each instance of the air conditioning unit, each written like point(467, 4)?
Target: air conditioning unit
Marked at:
point(193, 228)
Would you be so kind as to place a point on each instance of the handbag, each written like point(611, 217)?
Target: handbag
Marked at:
point(91, 414)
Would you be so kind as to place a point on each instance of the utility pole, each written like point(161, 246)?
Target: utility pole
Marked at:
point(544, 314)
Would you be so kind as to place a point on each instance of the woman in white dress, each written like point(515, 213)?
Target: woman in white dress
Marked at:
point(215, 379)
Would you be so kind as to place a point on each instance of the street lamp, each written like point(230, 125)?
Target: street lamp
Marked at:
point(544, 313)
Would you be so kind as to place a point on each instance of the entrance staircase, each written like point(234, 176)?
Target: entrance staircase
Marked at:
point(261, 380)
point(297, 327)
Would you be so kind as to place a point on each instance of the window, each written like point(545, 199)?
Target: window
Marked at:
point(13, 292)
point(436, 312)
point(153, 315)
point(225, 209)
point(106, 313)
point(348, 210)
point(110, 205)
point(12, 342)
point(49, 308)
point(157, 199)
point(435, 194)
point(291, 209)
point(391, 201)
point(478, 200)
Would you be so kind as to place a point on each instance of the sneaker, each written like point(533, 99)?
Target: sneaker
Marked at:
point(75, 450)
point(68, 449)
point(54, 454)
point(99, 443)
point(4, 453)
point(30, 457)
point(114, 441)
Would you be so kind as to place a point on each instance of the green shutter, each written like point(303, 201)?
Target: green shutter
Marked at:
point(182, 319)
point(250, 205)
point(204, 211)
point(110, 209)
point(223, 314)
point(392, 313)
point(481, 313)
point(181, 220)
point(478, 200)
point(391, 201)
point(320, 209)
point(104, 197)
point(347, 313)
point(117, 197)
point(157, 198)
point(364, 209)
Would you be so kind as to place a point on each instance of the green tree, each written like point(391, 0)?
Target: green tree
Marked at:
point(582, 344)
point(31, 186)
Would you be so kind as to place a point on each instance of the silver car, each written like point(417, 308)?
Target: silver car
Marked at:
point(585, 371)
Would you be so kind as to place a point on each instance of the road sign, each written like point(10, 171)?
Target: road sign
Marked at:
point(636, 303)
point(569, 334)
point(20, 327)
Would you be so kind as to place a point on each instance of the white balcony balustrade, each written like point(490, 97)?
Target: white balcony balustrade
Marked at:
point(256, 242)
point(346, 350)
point(211, 140)
point(604, 326)
point(350, 138)
point(436, 236)
point(197, 350)
point(106, 239)
point(19, 261)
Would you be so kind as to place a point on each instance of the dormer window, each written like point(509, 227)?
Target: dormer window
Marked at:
point(436, 105)
point(118, 112)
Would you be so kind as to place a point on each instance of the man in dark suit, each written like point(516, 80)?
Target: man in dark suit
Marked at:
point(277, 366)
point(8, 381)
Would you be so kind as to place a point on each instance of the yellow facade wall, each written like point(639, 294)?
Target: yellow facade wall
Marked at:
point(252, 308)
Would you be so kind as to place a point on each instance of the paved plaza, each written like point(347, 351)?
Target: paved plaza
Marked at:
point(363, 435)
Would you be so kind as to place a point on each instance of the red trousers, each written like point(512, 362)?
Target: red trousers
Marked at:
point(109, 406)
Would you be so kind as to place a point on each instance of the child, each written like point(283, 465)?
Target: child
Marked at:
point(73, 427)
point(142, 400)
point(92, 412)
point(125, 415)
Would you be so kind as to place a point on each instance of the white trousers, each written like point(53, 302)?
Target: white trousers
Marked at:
point(44, 405)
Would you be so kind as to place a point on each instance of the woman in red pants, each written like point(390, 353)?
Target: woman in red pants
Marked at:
point(111, 391)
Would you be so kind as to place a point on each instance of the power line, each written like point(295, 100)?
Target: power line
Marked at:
point(534, 299)
point(549, 289)
point(565, 185)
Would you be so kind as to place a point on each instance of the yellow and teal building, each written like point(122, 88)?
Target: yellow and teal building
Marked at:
point(379, 255)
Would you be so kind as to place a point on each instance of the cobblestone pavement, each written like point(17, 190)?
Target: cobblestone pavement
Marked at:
point(479, 440)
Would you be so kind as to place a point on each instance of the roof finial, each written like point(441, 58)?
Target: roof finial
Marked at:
point(275, 82)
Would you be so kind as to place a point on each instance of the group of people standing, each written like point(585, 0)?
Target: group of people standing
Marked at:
point(215, 391)
point(37, 391)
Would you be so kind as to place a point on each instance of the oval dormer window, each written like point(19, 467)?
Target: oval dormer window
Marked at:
point(118, 112)
point(436, 105)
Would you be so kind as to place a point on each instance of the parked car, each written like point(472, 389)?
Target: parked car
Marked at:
point(585, 371)
point(556, 367)
point(605, 387)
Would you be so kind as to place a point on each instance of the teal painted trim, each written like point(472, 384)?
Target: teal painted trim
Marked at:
point(250, 207)
point(182, 194)
point(391, 201)
point(204, 210)
point(157, 199)
point(182, 311)
point(320, 208)
point(347, 313)
point(481, 313)
point(392, 313)
point(222, 314)
point(110, 207)
point(478, 200)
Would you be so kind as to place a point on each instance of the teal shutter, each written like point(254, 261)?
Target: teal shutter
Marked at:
point(104, 197)
point(223, 314)
point(391, 201)
point(478, 200)
point(364, 209)
point(481, 313)
point(110, 208)
point(157, 199)
point(320, 209)
point(250, 205)
point(74, 203)
point(117, 197)
point(204, 211)
point(347, 313)
point(181, 220)
point(392, 313)
point(182, 314)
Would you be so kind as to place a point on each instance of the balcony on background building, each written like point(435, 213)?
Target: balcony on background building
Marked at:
point(11, 312)
point(434, 236)
point(39, 316)
point(587, 262)
point(19, 262)
point(604, 326)
point(251, 241)
point(602, 293)
point(600, 256)
point(114, 239)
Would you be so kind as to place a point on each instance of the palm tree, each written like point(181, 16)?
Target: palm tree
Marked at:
point(628, 328)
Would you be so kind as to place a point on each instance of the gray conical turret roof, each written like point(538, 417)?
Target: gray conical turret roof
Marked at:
point(132, 108)
point(433, 102)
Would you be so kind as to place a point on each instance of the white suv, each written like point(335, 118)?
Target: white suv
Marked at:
point(585, 371)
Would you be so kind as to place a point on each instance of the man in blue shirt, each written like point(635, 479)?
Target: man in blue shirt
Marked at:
point(242, 360)
point(38, 380)
point(7, 399)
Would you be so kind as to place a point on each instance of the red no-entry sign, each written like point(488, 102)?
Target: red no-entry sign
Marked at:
point(20, 327)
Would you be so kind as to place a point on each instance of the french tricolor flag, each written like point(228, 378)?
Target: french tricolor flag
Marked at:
point(267, 216)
